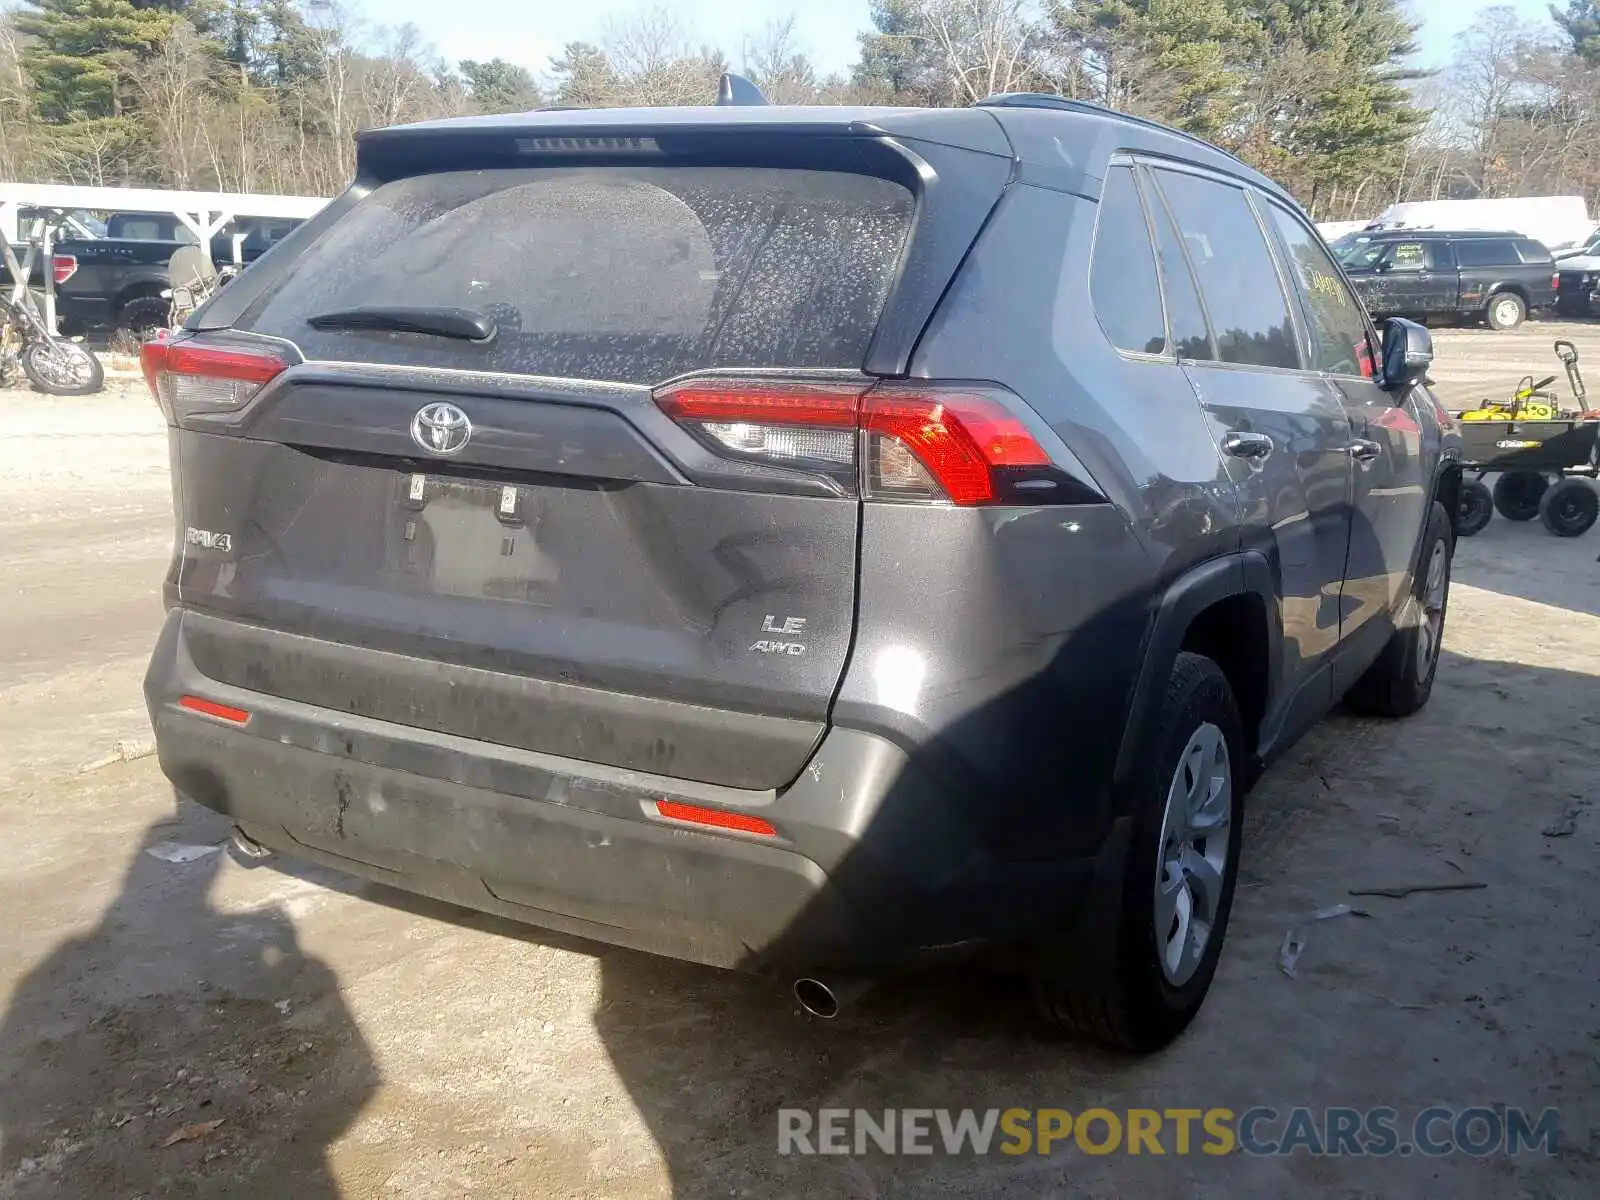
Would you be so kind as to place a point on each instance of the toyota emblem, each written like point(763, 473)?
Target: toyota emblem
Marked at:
point(441, 429)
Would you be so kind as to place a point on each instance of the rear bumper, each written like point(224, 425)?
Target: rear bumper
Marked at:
point(875, 864)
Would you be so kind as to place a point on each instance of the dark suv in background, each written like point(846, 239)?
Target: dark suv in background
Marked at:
point(813, 541)
point(1499, 277)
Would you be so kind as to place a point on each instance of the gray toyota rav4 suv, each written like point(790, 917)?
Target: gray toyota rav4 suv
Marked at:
point(812, 541)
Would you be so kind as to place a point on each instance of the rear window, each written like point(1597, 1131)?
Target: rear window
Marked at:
point(1486, 252)
point(1534, 252)
point(632, 274)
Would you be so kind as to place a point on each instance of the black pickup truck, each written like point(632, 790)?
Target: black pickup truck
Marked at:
point(1421, 273)
point(115, 282)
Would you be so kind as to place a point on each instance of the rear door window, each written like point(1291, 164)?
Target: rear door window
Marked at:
point(1122, 273)
point(1186, 318)
point(1235, 270)
point(1340, 339)
point(629, 274)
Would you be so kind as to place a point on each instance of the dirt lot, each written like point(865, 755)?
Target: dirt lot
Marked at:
point(355, 1042)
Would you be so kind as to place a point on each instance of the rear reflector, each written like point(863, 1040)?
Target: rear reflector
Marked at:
point(717, 818)
point(188, 378)
point(908, 442)
point(210, 708)
point(63, 267)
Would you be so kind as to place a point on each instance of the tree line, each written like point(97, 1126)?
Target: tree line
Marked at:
point(267, 95)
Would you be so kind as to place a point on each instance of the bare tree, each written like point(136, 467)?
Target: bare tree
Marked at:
point(175, 91)
point(656, 61)
point(1488, 80)
point(778, 65)
point(987, 46)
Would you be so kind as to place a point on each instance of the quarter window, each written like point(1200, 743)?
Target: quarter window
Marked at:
point(1235, 270)
point(1486, 253)
point(1122, 273)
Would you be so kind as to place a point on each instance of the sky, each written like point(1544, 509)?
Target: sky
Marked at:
point(530, 32)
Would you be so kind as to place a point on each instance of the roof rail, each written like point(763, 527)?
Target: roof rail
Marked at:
point(1049, 100)
point(737, 90)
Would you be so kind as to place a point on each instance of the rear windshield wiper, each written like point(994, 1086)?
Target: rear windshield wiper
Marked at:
point(465, 323)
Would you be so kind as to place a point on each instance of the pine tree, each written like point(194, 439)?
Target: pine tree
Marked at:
point(1581, 23)
point(80, 52)
point(500, 87)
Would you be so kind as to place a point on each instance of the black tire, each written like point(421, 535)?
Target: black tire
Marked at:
point(40, 362)
point(1569, 509)
point(1401, 680)
point(1505, 310)
point(1133, 1005)
point(1474, 508)
point(1517, 494)
point(143, 315)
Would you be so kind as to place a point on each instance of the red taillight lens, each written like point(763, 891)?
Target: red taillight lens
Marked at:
point(895, 441)
point(188, 379)
point(959, 439)
point(1555, 282)
point(63, 267)
point(716, 818)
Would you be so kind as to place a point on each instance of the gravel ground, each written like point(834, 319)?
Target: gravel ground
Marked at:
point(353, 1041)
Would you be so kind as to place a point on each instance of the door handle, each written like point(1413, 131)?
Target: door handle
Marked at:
point(1364, 451)
point(1246, 445)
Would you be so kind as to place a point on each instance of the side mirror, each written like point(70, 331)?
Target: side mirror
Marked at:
point(1407, 354)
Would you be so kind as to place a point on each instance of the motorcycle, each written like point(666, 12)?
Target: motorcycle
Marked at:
point(195, 279)
point(52, 364)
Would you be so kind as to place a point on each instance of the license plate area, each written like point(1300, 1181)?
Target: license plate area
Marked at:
point(470, 538)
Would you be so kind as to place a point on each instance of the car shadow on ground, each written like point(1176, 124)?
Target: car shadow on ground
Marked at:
point(175, 1049)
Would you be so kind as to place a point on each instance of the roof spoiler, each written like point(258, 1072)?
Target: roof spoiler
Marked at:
point(736, 89)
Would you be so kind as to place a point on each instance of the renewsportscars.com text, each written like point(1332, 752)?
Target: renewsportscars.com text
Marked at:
point(1375, 1132)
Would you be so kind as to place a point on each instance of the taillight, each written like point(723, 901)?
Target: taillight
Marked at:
point(932, 446)
point(896, 441)
point(1555, 282)
point(190, 379)
point(804, 427)
point(63, 267)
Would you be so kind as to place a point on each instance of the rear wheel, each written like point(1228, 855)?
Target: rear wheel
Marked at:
point(141, 317)
point(1506, 311)
point(1474, 508)
point(1569, 508)
point(1517, 494)
point(1401, 680)
point(1178, 881)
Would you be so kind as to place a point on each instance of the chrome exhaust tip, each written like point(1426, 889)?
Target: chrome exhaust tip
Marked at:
point(823, 1000)
point(247, 849)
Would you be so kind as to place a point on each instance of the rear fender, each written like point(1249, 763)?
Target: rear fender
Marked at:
point(1217, 579)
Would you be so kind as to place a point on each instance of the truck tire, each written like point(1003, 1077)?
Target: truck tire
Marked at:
point(1506, 310)
point(1401, 680)
point(143, 315)
point(1178, 879)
